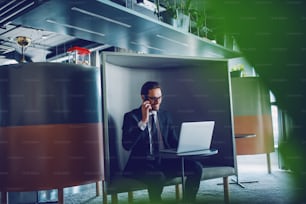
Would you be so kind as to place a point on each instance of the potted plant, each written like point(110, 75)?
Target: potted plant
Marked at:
point(169, 15)
point(197, 21)
point(237, 70)
point(177, 13)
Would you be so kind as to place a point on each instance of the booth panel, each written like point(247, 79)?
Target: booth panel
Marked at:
point(41, 157)
point(50, 126)
point(263, 141)
point(252, 115)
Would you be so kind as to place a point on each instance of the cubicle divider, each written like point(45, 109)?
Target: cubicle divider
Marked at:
point(50, 127)
point(194, 89)
point(252, 114)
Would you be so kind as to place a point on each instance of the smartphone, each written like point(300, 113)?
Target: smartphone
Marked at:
point(146, 98)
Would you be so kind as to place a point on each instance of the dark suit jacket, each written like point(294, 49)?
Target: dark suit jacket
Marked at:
point(137, 141)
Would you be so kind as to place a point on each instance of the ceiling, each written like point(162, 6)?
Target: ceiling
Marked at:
point(44, 45)
point(42, 42)
point(91, 24)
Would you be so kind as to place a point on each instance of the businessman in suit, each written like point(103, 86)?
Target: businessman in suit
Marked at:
point(146, 130)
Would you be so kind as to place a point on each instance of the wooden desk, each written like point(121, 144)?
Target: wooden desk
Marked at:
point(244, 135)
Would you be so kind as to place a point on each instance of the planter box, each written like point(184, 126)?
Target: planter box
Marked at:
point(182, 21)
point(236, 73)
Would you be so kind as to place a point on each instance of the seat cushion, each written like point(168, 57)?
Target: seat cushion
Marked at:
point(217, 172)
point(119, 183)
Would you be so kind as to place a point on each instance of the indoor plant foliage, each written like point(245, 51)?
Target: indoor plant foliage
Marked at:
point(198, 22)
point(177, 13)
point(237, 70)
point(172, 6)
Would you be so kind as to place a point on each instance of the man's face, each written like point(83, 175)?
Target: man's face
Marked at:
point(155, 98)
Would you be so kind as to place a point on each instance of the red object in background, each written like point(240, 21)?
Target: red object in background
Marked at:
point(79, 55)
point(79, 50)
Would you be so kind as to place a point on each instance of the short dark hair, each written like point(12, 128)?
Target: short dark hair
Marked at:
point(148, 86)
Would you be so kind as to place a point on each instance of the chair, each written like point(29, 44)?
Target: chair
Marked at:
point(115, 158)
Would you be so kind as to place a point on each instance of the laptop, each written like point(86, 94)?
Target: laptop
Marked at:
point(194, 136)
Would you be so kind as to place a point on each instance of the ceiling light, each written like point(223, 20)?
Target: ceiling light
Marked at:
point(74, 27)
point(146, 46)
point(23, 42)
point(44, 37)
point(171, 40)
point(11, 11)
point(100, 17)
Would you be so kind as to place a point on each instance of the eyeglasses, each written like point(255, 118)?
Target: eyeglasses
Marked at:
point(154, 98)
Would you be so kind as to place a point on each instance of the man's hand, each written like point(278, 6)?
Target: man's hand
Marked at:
point(145, 109)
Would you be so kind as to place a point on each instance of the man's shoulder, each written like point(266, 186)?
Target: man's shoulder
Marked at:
point(163, 111)
point(135, 111)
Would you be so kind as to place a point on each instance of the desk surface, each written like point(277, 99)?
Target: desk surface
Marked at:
point(244, 135)
point(206, 152)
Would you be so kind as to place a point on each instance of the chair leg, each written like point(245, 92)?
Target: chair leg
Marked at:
point(226, 189)
point(98, 189)
point(60, 195)
point(4, 197)
point(114, 198)
point(104, 194)
point(104, 198)
point(177, 192)
point(269, 163)
point(130, 197)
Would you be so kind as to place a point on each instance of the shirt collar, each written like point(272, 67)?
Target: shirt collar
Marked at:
point(154, 112)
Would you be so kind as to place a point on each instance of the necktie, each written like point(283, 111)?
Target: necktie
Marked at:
point(156, 135)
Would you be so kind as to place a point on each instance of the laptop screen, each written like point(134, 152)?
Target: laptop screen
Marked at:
point(195, 136)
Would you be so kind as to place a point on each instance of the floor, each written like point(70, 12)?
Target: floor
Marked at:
point(260, 187)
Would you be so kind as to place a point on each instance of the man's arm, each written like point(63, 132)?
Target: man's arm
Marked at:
point(168, 130)
point(131, 132)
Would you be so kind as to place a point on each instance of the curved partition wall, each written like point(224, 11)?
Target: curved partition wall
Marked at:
point(252, 114)
point(50, 126)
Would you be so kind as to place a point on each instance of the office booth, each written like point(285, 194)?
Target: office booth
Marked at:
point(194, 89)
